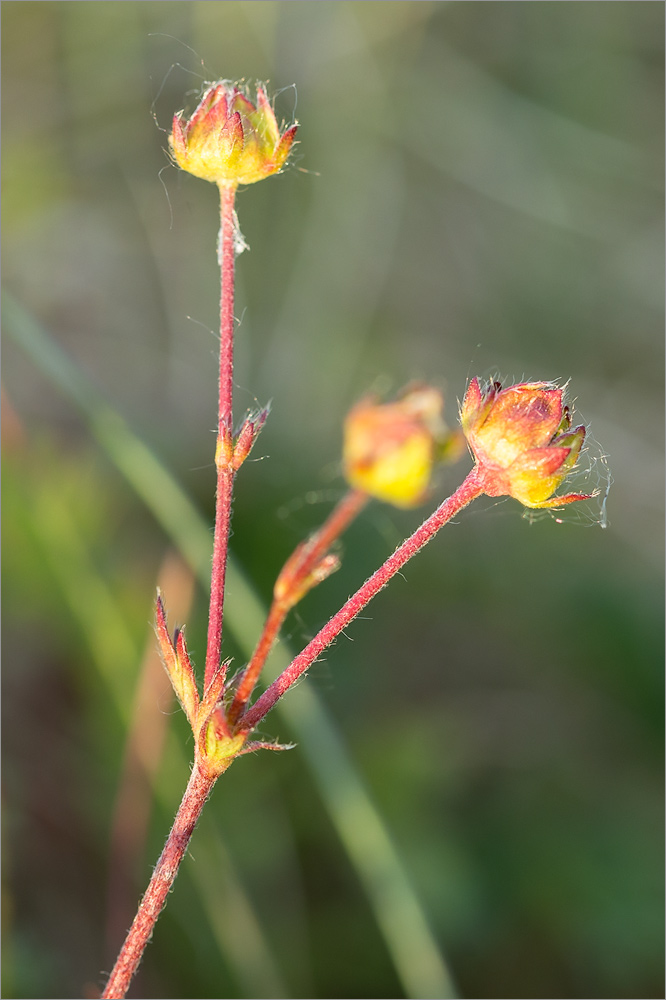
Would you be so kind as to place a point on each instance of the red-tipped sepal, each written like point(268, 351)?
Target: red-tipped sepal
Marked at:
point(177, 663)
point(232, 140)
point(283, 148)
point(256, 745)
point(178, 142)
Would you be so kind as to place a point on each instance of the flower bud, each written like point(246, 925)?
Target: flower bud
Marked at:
point(291, 586)
point(390, 448)
point(247, 436)
point(522, 441)
point(228, 139)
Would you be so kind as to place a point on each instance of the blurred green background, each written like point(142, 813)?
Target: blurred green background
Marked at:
point(477, 189)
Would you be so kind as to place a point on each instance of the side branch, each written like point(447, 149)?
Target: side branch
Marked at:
point(299, 574)
point(466, 492)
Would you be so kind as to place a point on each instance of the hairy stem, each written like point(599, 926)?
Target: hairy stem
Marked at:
point(196, 793)
point(224, 451)
point(288, 590)
point(466, 492)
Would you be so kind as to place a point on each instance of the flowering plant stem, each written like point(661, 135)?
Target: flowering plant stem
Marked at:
point(468, 490)
point(520, 437)
point(288, 590)
point(224, 449)
point(197, 791)
point(201, 781)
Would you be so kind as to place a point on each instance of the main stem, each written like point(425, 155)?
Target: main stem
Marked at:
point(224, 450)
point(201, 781)
point(466, 492)
point(198, 790)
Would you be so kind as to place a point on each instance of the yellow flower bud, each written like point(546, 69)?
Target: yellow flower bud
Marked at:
point(390, 448)
point(229, 140)
point(522, 441)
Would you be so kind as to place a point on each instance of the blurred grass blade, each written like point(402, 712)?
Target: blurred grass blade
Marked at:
point(398, 912)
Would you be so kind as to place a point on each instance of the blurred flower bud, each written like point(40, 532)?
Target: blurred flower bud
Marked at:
point(522, 441)
point(229, 140)
point(390, 448)
point(291, 585)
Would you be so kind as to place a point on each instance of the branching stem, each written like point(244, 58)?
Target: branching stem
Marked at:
point(288, 590)
point(466, 492)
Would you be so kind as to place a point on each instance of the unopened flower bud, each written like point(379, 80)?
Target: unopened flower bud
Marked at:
point(229, 140)
point(291, 586)
point(522, 441)
point(247, 436)
point(390, 448)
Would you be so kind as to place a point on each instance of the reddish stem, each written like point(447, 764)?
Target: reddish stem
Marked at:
point(276, 616)
point(224, 452)
point(196, 793)
point(288, 591)
point(466, 492)
point(142, 758)
point(308, 554)
point(201, 781)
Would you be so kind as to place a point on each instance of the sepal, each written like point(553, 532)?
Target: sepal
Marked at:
point(177, 662)
point(258, 745)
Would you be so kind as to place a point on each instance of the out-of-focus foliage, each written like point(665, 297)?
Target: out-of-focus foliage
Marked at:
point(477, 189)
